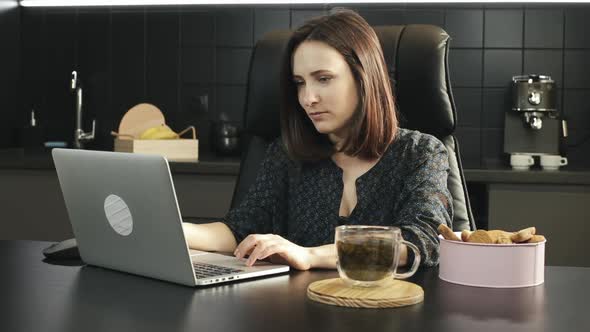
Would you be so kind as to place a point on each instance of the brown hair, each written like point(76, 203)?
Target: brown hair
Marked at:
point(374, 125)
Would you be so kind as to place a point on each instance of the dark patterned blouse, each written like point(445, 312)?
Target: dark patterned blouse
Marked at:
point(407, 188)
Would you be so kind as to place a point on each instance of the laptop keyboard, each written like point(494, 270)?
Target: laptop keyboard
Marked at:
point(203, 270)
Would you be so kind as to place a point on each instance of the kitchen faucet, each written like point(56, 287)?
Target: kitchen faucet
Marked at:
point(79, 135)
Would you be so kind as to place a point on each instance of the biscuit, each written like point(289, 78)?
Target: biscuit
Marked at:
point(447, 233)
point(465, 235)
point(536, 238)
point(503, 239)
point(523, 235)
point(500, 236)
point(526, 235)
point(480, 236)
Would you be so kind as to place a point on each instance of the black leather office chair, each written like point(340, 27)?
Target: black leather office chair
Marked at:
point(416, 56)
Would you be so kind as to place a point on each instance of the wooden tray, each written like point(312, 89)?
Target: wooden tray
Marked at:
point(143, 116)
point(178, 150)
point(394, 293)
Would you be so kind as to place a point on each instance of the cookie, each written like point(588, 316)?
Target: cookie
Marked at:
point(500, 236)
point(465, 235)
point(480, 236)
point(523, 235)
point(503, 239)
point(447, 233)
point(536, 239)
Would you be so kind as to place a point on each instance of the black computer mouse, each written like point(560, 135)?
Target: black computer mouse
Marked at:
point(66, 249)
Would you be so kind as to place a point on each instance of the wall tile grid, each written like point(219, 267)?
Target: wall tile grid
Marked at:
point(9, 70)
point(193, 62)
point(491, 44)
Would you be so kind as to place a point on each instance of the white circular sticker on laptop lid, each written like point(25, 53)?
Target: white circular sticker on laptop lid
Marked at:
point(118, 215)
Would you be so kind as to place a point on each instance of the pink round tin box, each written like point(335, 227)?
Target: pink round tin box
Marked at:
point(492, 265)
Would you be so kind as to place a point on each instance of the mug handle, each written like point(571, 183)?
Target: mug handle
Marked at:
point(416, 263)
point(563, 161)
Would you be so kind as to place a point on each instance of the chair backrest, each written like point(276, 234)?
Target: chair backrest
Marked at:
point(416, 57)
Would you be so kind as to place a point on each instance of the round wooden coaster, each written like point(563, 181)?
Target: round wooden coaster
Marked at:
point(395, 293)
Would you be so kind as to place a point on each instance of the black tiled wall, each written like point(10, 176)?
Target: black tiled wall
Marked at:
point(9, 70)
point(492, 44)
point(192, 62)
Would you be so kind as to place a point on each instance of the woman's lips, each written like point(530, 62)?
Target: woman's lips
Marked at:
point(316, 115)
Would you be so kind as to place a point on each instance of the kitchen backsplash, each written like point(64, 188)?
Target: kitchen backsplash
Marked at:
point(9, 70)
point(192, 62)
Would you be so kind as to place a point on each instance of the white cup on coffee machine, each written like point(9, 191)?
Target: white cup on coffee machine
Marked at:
point(521, 162)
point(552, 162)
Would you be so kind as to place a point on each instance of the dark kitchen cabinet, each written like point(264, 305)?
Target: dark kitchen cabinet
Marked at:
point(33, 207)
point(556, 203)
point(559, 212)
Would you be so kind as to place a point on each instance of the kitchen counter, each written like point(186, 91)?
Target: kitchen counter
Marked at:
point(19, 159)
point(569, 176)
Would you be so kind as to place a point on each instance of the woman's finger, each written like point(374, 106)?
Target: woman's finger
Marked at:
point(247, 245)
point(264, 248)
point(260, 247)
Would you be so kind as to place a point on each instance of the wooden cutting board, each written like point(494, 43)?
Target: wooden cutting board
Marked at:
point(139, 118)
point(394, 293)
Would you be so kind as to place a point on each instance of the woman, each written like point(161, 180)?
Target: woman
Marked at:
point(341, 159)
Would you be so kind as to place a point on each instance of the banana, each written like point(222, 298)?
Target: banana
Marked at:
point(159, 132)
point(146, 134)
point(164, 134)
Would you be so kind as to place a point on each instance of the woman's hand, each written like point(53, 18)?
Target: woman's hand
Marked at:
point(276, 248)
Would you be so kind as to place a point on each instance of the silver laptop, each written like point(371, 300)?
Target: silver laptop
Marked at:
point(125, 216)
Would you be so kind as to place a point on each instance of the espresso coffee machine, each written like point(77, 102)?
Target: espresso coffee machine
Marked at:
point(534, 126)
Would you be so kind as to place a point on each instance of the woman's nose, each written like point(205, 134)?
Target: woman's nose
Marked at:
point(309, 97)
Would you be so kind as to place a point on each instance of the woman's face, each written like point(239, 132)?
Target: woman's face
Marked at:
point(326, 87)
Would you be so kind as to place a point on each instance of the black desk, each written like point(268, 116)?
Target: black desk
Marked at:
point(38, 296)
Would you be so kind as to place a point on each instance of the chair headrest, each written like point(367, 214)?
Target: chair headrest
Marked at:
point(416, 57)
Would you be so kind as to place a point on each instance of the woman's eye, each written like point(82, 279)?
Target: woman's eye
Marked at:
point(324, 79)
point(298, 83)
